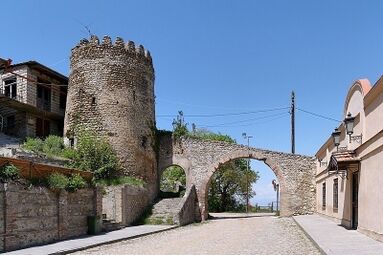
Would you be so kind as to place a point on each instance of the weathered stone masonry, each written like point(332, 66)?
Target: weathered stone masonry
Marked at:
point(111, 91)
point(201, 158)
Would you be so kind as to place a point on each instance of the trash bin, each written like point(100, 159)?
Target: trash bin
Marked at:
point(94, 225)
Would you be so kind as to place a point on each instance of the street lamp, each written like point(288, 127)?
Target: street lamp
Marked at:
point(349, 122)
point(336, 138)
point(276, 188)
point(245, 136)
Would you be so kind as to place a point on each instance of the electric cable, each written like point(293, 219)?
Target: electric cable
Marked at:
point(318, 115)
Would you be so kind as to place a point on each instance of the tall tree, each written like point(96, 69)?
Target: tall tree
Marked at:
point(229, 185)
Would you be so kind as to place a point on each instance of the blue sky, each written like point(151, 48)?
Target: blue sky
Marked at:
point(214, 57)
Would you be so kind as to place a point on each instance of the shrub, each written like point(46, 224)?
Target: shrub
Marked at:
point(53, 145)
point(57, 181)
point(9, 172)
point(68, 153)
point(95, 154)
point(75, 183)
point(33, 144)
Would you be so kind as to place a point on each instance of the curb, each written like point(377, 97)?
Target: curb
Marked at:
point(309, 237)
point(111, 241)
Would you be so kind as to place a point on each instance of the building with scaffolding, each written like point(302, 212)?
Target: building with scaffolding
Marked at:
point(32, 99)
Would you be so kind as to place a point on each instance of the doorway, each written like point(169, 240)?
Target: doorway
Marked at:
point(354, 209)
point(42, 128)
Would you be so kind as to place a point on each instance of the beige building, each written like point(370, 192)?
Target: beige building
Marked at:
point(349, 176)
point(32, 99)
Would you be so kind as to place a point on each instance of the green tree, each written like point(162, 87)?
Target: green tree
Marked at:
point(229, 186)
point(179, 126)
point(172, 178)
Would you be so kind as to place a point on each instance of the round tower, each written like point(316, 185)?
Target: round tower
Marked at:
point(111, 92)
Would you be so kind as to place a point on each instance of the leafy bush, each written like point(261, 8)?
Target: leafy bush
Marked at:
point(53, 145)
point(57, 181)
point(33, 144)
point(95, 154)
point(9, 172)
point(75, 183)
point(68, 153)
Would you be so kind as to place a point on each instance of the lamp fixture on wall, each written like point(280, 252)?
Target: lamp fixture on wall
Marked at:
point(349, 123)
point(336, 138)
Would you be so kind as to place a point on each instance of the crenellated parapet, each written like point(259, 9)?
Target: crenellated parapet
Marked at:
point(94, 46)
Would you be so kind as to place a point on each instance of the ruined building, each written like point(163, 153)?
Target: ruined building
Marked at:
point(111, 92)
point(32, 99)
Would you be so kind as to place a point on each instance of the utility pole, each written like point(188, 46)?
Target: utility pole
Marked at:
point(292, 112)
point(247, 170)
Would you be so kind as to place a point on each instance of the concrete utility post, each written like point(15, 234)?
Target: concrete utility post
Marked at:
point(292, 112)
point(247, 170)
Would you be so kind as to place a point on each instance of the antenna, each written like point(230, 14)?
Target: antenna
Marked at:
point(85, 27)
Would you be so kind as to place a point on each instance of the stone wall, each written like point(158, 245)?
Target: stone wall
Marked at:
point(111, 91)
point(35, 215)
point(201, 158)
point(124, 203)
point(189, 210)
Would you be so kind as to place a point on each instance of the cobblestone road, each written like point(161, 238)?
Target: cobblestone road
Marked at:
point(227, 235)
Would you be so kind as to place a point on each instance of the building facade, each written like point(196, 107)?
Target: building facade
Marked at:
point(32, 100)
point(349, 176)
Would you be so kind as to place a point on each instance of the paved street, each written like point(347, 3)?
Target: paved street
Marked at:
point(228, 234)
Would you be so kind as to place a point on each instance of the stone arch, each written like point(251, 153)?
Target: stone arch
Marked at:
point(237, 154)
point(200, 158)
point(175, 161)
point(165, 169)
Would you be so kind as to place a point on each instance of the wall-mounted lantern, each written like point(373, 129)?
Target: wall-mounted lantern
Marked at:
point(336, 138)
point(349, 123)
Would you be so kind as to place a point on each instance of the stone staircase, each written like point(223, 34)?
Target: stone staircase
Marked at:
point(163, 211)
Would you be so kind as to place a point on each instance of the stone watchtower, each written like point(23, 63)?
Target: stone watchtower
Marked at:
point(111, 92)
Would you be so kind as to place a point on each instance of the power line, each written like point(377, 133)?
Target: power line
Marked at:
point(229, 124)
point(318, 115)
point(226, 114)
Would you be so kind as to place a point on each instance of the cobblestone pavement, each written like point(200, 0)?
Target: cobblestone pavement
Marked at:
point(229, 234)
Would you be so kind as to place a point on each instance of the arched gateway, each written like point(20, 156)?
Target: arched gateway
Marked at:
point(200, 158)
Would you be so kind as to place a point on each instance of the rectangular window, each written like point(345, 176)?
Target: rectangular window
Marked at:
point(10, 88)
point(63, 93)
point(335, 195)
point(43, 95)
point(11, 122)
point(324, 196)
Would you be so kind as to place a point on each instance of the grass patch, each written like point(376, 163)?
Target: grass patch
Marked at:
point(142, 220)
